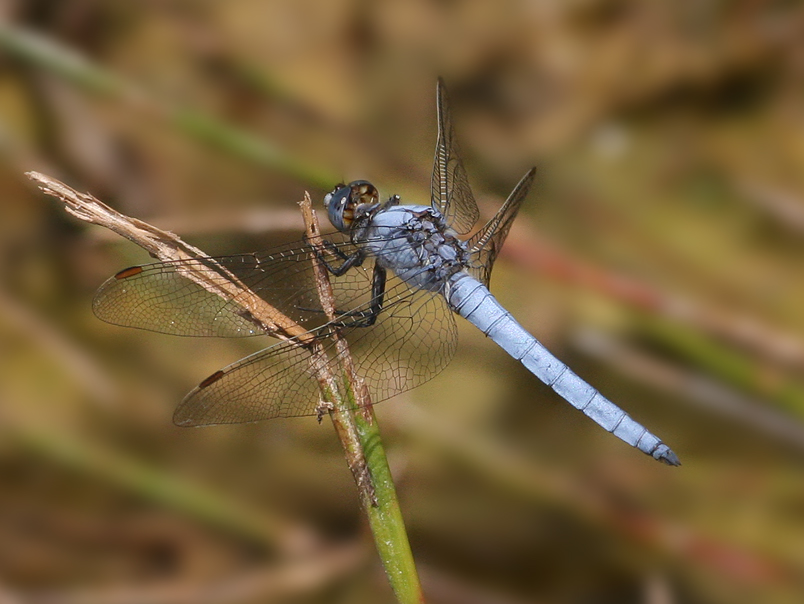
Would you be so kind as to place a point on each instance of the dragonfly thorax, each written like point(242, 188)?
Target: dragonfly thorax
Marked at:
point(414, 242)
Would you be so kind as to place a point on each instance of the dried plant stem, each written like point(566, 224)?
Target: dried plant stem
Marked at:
point(345, 397)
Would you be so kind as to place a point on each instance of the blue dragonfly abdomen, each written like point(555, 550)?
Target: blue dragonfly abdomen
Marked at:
point(473, 301)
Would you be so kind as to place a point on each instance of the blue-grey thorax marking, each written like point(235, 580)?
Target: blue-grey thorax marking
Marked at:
point(414, 242)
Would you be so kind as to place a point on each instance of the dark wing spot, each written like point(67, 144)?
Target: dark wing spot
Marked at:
point(128, 272)
point(212, 379)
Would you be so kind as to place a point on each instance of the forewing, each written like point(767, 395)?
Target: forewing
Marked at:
point(412, 340)
point(160, 297)
point(485, 245)
point(449, 188)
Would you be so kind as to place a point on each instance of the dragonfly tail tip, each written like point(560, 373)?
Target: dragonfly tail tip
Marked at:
point(665, 454)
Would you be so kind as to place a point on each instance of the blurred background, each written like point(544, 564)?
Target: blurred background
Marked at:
point(661, 257)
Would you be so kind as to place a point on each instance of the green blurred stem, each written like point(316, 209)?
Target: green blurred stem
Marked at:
point(60, 61)
point(729, 365)
point(256, 150)
point(76, 69)
point(161, 487)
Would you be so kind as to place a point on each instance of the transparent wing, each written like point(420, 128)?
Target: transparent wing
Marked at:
point(449, 188)
point(159, 297)
point(278, 381)
point(485, 245)
point(412, 341)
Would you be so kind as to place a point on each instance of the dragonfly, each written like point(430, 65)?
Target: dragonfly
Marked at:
point(399, 273)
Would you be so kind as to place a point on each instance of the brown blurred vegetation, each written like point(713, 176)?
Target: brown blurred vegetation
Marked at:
point(662, 257)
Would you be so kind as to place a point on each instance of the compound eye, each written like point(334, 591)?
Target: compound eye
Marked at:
point(364, 192)
point(339, 207)
point(337, 199)
point(343, 201)
point(335, 190)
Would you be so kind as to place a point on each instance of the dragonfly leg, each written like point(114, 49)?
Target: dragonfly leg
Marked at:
point(322, 409)
point(347, 261)
point(356, 318)
point(367, 318)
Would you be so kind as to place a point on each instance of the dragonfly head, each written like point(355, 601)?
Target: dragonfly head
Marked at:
point(343, 201)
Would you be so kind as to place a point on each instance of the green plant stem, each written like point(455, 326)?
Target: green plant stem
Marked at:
point(385, 517)
point(359, 433)
point(349, 406)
